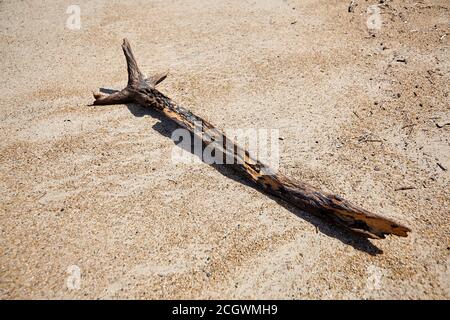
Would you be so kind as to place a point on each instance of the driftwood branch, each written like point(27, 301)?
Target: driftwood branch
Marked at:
point(142, 91)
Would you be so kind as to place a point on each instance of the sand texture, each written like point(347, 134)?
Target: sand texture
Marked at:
point(362, 113)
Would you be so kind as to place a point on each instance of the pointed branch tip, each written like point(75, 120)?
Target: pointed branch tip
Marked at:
point(154, 80)
point(134, 74)
point(118, 97)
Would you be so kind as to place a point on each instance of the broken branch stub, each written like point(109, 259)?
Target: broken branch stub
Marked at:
point(337, 210)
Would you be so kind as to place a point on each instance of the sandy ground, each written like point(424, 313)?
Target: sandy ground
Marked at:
point(362, 114)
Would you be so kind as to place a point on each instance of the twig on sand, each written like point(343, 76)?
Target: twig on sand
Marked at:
point(440, 126)
point(143, 91)
point(404, 188)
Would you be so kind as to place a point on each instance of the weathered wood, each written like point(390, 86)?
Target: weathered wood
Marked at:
point(142, 91)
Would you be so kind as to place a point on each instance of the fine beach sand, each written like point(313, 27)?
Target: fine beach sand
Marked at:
point(361, 113)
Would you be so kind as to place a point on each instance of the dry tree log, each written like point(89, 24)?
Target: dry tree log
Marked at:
point(142, 91)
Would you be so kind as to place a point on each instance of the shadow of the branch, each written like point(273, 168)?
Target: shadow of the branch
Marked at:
point(166, 126)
